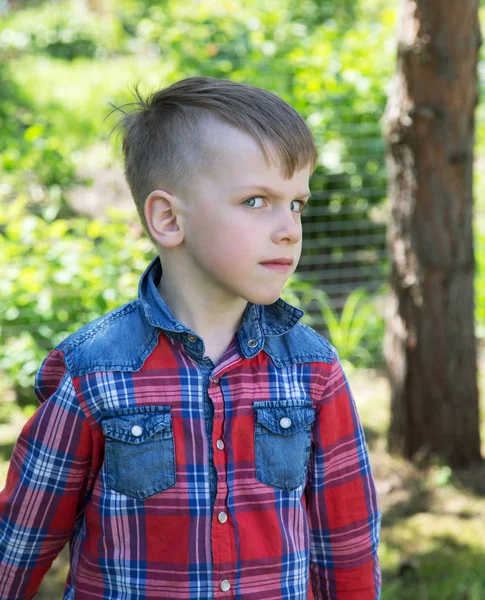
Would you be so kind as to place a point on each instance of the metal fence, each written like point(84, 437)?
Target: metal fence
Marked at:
point(344, 244)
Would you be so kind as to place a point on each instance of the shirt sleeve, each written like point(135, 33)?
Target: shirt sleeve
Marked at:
point(343, 513)
point(46, 483)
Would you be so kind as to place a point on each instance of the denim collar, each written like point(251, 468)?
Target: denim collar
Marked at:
point(258, 320)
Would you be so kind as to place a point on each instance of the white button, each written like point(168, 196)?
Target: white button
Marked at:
point(192, 338)
point(285, 422)
point(220, 445)
point(222, 517)
point(136, 430)
point(216, 380)
point(225, 585)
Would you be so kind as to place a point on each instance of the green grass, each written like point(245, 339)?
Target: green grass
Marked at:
point(433, 528)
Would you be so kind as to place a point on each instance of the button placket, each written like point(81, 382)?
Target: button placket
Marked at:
point(222, 531)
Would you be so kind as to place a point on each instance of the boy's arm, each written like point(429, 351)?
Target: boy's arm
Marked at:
point(343, 514)
point(45, 485)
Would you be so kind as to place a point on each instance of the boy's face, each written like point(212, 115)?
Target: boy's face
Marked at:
point(240, 215)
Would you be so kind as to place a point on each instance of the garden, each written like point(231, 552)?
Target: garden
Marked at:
point(71, 247)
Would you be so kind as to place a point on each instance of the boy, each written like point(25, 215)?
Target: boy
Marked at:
point(200, 442)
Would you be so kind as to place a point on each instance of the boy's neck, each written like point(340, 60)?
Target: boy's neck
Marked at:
point(213, 319)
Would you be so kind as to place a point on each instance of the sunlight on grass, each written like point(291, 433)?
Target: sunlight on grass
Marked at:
point(433, 530)
point(76, 99)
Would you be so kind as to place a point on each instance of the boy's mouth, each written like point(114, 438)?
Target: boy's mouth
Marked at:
point(279, 261)
point(278, 264)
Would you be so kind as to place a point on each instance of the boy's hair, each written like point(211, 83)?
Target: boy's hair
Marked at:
point(166, 137)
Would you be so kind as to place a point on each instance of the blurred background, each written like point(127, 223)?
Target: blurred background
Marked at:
point(71, 247)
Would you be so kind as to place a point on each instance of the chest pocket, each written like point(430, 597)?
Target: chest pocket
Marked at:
point(139, 455)
point(282, 440)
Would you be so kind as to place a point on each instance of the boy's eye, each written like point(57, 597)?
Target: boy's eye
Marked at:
point(254, 198)
point(302, 210)
point(303, 206)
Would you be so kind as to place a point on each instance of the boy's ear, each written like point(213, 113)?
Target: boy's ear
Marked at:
point(163, 218)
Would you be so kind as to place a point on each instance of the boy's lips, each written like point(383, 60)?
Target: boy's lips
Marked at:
point(279, 261)
point(278, 264)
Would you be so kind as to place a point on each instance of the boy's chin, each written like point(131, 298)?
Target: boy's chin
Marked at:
point(263, 299)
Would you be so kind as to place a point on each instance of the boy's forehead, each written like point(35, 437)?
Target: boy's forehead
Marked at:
point(237, 152)
point(237, 161)
point(231, 142)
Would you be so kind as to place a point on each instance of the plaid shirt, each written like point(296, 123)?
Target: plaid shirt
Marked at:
point(174, 478)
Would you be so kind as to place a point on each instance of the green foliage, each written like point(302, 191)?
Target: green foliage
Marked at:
point(65, 31)
point(59, 275)
point(34, 156)
point(356, 331)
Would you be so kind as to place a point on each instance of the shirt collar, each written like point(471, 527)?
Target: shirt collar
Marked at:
point(258, 320)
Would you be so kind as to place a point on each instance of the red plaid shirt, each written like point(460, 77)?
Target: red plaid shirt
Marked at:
point(175, 478)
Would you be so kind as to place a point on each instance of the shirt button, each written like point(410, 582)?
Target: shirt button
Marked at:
point(252, 343)
point(225, 585)
point(192, 338)
point(136, 430)
point(216, 380)
point(285, 422)
point(220, 445)
point(222, 517)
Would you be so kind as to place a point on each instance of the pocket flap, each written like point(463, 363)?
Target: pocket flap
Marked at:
point(284, 419)
point(136, 425)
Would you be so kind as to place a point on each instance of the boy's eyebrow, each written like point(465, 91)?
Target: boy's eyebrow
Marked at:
point(271, 192)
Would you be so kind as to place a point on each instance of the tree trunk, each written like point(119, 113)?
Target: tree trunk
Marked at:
point(430, 344)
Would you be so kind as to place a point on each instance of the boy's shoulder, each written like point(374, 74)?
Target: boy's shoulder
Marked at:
point(301, 344)
point(121, 340)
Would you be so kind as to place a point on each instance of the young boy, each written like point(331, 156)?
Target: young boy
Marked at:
point(200, 442)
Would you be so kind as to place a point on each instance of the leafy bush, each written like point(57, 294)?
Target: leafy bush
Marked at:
point(356, 331)
point(76, 271)
point(35, 158)
point(66, 31)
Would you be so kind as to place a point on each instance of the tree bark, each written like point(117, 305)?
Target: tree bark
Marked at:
point(430, 344)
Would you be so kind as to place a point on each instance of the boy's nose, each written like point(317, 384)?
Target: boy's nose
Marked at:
point(289, 227)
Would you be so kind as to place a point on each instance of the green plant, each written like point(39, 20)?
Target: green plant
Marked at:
point(67, 31)
point(58, 276)
point(354, 330)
